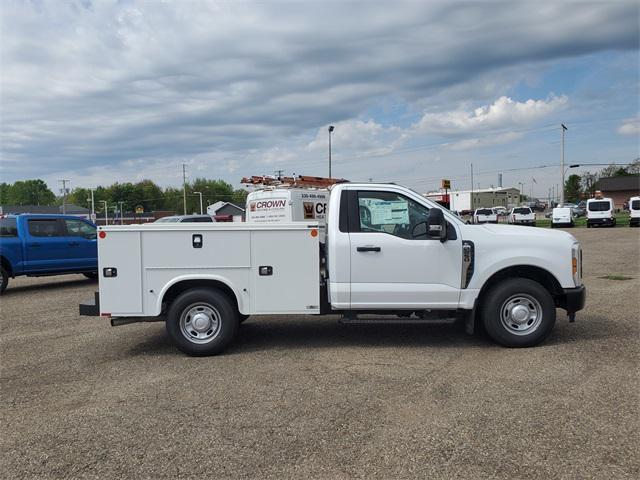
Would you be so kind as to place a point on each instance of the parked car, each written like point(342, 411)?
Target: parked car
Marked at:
point(485, 215)
point(39, 245)
point(600, 211)
point(500, 210)
point(578, 211)
point(562, 217)
point(634, 212)
point(185, 218)
point(388, 251)
point(522, 216)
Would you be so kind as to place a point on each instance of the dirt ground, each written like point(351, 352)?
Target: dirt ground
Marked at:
point(305, 397)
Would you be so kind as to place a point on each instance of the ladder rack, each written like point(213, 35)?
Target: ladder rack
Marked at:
point(295, 181)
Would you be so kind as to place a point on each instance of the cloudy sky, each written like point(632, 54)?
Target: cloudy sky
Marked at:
point(98, 92)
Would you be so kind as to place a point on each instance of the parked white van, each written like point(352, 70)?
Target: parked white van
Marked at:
point(600, 212)
point(562, 217)
point(634, 212)
point(485, 215)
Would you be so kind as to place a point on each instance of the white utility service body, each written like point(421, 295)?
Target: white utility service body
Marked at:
point(388, 251)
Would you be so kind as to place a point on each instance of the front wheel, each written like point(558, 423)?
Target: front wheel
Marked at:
point(4, 280)
point(518, 313)
point(202, 322)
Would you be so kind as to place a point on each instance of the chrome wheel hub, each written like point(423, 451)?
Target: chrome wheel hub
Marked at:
point(521, 314)
point(200, 323)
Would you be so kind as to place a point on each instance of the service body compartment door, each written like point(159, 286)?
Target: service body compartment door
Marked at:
point(285, 271)
point(120, 295)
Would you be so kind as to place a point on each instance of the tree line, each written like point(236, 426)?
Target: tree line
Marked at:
point(145, 194)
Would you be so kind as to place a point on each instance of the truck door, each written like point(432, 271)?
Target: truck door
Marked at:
point(45, 245)
point(392, 268)
point(83, 248)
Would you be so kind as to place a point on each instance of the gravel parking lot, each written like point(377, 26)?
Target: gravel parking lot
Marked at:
point(305, 397)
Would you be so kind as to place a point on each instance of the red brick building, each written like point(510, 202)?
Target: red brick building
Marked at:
point(619, 189)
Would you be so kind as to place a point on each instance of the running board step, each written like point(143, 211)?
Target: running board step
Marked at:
point(396, 321)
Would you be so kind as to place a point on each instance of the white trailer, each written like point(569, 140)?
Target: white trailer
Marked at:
point(388, 251)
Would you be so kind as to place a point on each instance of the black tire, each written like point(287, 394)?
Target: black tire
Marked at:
point(508, 331)
point(4, 280)
point(213, 306)
point(588, 225)
point(91, 275)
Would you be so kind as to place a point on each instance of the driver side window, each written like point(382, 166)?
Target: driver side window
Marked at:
point(387, 212)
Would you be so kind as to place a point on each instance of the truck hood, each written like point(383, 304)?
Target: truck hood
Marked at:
point(520, 233)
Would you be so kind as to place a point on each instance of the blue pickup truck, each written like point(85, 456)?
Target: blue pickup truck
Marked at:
point(39, 245)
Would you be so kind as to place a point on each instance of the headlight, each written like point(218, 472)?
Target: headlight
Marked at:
point(576, 264)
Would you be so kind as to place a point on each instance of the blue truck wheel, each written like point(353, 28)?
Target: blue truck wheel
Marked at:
point(4, 280)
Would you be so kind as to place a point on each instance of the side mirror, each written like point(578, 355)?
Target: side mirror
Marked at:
point(437, 225)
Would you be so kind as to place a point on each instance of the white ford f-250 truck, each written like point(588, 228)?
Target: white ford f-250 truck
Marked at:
point(388, 251)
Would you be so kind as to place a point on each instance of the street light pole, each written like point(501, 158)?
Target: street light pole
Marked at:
point(200, 194)
point(64, 195)
point(184, 187)
point(562, 130)
point(121, 213)
point(331, 128)
point(106, 212)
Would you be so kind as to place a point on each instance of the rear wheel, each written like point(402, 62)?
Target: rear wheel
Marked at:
point(518, 313)
point(202, 322)
point(91, 275)
point(4, 280)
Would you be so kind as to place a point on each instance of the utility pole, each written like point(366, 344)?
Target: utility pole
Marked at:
point(331, 128)
point(64, 195)
point(184, 186)
point(279, 173)
point(472, 189)
point(106, 212)
point(93, 207)
point(200, 194)
point(562, 130)
point(121, 213)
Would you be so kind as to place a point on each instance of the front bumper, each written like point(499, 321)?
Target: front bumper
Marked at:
point(572, 299)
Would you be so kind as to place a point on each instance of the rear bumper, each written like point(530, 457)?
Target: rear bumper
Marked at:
point(573, 299)
point(91, 308)
point(600, 221)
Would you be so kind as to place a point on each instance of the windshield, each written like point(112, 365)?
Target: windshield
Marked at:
point(601, 206)
point(522, 211)
point(168, 220)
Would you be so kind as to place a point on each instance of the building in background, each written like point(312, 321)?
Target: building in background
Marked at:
point(460, 201)
point(619, 189)
point(226, 212)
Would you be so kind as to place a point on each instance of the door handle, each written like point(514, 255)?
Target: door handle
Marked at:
point(368, 249)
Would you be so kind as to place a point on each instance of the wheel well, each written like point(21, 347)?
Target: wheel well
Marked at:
point(184, 285)
point(6, 265)
point(537, 274)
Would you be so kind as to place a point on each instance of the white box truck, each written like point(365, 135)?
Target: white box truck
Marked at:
point(389, 251)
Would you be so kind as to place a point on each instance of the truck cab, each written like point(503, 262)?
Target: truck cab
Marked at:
point(388, 251)
point(40, 245)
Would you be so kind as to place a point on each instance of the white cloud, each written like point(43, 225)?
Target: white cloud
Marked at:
point(503, 113)
point(487, 141)
point(630, 126)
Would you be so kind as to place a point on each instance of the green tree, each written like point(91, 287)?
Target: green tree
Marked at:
point(30, 192)
point(4, 193)
point(572, 190)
